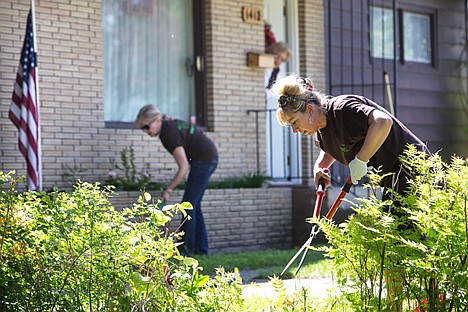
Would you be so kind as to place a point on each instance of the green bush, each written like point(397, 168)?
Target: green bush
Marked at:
point(127, 177)
point(421, 256)
point(73, 252)
point(248, 181)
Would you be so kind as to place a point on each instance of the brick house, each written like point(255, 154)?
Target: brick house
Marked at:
point(85, 116)
point(75, 131)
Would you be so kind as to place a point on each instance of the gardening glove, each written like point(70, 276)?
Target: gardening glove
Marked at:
point(357, 169)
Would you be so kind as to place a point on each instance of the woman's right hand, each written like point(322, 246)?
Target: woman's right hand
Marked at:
point(166, 195)
point(321, 173)
point(323, 162)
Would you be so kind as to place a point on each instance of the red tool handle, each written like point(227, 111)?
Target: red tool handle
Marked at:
point(344, 190)
point(319, 198)
point(319, 195)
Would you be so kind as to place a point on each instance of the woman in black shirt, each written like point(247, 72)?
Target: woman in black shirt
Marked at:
point(195, 155)
point(351, 129)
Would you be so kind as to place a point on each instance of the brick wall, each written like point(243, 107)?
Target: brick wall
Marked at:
point(74, 135)
point(234, 88)
point(312, 65)
point(312, 41)
point(238, 219)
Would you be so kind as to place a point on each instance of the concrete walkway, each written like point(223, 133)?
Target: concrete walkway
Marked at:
point(316, 287)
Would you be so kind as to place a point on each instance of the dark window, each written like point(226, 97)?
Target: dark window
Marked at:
point(414, 41)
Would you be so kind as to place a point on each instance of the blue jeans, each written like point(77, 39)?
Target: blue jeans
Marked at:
point(195, 239)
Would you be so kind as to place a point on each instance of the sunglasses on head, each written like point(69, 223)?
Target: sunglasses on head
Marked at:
point(283, 100)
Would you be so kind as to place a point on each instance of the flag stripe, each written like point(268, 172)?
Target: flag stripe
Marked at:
point(24, 109)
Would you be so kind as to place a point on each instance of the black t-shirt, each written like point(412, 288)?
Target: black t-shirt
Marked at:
point(347, 125)
point(196, 144)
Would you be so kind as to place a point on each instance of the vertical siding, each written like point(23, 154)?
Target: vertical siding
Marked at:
point(428, 97)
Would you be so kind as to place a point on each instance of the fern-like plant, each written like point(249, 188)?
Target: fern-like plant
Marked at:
point(417, 260)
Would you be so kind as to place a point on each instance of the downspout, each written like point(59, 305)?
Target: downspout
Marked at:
point(395, 51)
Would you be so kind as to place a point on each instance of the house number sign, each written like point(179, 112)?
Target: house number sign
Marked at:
point(252, 15)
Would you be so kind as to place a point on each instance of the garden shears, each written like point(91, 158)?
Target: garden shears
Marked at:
point(315, 229)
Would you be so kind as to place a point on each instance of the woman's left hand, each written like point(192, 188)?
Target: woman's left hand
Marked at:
point(357, 169)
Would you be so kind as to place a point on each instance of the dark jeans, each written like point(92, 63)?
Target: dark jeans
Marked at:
point(195, 240)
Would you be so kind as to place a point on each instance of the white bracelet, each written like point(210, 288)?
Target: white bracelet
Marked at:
point(169, 191)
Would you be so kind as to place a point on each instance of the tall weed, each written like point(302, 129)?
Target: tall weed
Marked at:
point(416, 261)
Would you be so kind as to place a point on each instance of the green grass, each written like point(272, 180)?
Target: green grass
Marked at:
point(269, 263)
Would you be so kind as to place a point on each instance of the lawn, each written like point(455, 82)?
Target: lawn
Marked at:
point(268, 263)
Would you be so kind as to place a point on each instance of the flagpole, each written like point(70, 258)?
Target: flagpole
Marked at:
point(39, 144)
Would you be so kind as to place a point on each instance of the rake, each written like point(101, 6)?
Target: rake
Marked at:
point(315, 229)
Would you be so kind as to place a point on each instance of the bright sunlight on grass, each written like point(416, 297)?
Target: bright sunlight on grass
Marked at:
point(269, 263)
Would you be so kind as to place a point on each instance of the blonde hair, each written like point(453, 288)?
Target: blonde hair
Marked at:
point(147, 114)
point(291, 88)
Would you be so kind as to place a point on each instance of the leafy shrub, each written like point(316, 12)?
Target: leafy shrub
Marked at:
point(127, 177)
point(74, 252)
point(73, 174)
point(247, 181)
point(417, 261)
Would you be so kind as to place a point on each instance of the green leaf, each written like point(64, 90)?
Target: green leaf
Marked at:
point(186, 205)
point(202, 280)
point(138, 279)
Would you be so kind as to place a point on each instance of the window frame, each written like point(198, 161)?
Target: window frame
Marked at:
point(399, 28)
point(432, 13)
point(199, 37)
point(371, 38)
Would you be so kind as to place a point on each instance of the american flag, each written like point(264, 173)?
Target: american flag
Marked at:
point(24, 109)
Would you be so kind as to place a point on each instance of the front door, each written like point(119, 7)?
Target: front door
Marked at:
point(283, 146)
